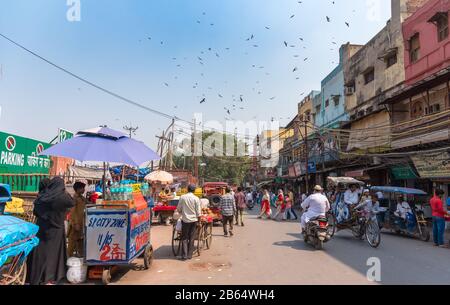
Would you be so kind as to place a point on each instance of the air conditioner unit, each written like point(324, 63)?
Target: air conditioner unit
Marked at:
point(349, 90)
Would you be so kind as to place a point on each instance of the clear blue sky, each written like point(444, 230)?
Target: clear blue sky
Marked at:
point(111, 47)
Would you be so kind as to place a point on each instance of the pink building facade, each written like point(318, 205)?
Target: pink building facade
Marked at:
point(427, 46)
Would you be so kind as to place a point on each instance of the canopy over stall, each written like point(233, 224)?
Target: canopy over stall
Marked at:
point(103, 144)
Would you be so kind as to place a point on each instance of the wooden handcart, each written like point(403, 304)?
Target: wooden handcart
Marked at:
point(202, 239)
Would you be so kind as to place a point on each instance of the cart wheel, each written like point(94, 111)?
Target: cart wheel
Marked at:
point(425, 236)
point(168, 221)
point(176, 242)
point(148, 257)
point(106, 275)
point(200, 240)
point(209, 236)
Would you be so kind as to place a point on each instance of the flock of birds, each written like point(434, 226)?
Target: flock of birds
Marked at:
point(238, 100)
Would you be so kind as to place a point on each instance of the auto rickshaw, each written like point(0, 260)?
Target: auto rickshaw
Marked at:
point(415, 225)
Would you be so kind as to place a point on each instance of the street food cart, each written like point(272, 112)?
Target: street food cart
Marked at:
point(117, 228)
point(117, 233)
point(164, 212)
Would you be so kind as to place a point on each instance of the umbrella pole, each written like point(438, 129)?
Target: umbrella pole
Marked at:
point(103, 181)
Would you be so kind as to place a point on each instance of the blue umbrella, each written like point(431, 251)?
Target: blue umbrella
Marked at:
point(103, 145)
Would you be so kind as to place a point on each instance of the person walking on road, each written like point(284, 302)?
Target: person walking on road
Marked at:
point(265, 205)
point(280, 206)
point(228, 208)
point(290, 213)
point(240, 206)
point(439, 214)
point(189, 207)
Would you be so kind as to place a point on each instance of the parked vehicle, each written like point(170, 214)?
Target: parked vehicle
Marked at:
point(415, 225)
point(317, 232)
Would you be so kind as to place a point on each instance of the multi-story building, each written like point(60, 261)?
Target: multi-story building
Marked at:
point(420, 112)
point(372, 75)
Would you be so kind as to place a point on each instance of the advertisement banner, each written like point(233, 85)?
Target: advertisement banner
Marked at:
point(106, 236)
point(433, 165)
point(140, 231)
point(19, 155)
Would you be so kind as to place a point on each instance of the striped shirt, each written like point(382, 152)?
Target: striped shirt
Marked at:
point(227, 205)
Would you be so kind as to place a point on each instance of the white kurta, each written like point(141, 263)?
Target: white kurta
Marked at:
point(316, 205)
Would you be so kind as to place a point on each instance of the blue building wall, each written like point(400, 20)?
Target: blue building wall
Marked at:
point(333, 85)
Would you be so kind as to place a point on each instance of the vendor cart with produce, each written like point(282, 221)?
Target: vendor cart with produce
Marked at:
point(213, 191)
point(17, 239)
point(203, 235)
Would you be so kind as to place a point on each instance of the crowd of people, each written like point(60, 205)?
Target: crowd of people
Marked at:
point(344, 201)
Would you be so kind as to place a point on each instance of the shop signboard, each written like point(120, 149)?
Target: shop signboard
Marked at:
point(292, 171)
point(19, 155)
point(403, 172)
point(64, 135)
point(106, 236)
point(433, 165)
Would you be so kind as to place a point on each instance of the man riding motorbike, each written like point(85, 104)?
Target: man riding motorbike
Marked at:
point(316, 205)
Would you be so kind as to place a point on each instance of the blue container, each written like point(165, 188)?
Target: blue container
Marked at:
point(5, 196)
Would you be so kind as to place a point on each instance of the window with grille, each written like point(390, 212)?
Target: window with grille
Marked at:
point(369, 76)
point(442, 26)
point(414, 48)
point(391, 60)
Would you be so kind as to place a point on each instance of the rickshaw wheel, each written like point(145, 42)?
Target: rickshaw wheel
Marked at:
point(148, 257)
point(106, 276)
point(176, 242)
point(372, 233)
point(208, 236)
point(425, 236)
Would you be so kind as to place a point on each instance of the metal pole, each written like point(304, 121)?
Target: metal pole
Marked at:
point(103, 181)
point(305, 119)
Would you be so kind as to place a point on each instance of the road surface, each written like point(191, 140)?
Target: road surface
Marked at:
point(266, 252)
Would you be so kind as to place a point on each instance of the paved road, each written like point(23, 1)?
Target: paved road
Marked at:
point(268, 252)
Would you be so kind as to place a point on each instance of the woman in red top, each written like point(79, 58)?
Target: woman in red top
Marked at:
point(265, 205)
point(280, 205)
point(439, 215)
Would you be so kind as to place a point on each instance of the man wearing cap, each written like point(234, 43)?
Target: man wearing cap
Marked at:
point(314, 206)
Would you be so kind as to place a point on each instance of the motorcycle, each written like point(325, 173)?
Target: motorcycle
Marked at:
point(317, 232)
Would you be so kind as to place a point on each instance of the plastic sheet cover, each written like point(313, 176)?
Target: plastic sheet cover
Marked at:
point(16, 237)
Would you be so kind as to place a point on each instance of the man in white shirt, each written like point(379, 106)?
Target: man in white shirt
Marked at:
point(249, 197)
point(314, 206)
point(403, 208)
point(190, 209)
point(351, 196)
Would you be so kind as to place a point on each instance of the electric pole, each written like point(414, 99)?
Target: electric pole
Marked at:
point(305, 121)
point(131, 130)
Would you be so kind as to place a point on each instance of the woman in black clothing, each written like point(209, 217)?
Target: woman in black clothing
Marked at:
point(47, 264)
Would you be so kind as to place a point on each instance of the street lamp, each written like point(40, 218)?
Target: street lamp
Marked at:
point(202, 165)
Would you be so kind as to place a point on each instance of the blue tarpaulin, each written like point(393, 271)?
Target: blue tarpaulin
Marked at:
point(16, 236)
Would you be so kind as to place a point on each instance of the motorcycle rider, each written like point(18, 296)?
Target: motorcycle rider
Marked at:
point(314, 206)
